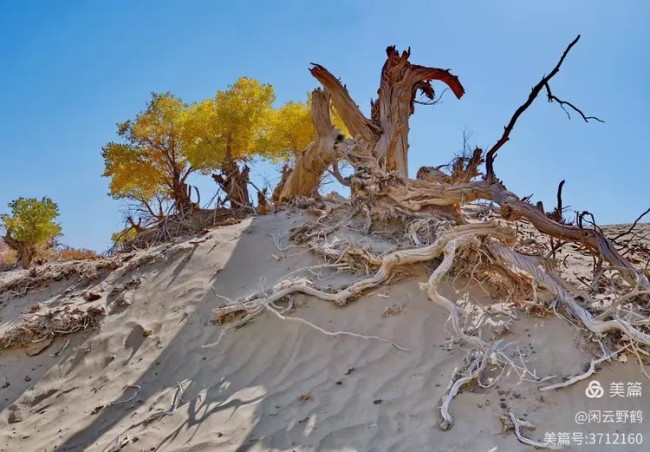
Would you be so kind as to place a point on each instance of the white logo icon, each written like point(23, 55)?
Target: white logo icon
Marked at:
point(594, 390)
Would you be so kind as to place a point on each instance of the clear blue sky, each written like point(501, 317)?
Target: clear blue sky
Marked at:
point(71, 70)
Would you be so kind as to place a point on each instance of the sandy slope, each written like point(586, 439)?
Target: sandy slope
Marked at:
point(278, 384)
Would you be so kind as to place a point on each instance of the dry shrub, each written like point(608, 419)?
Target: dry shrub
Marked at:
point(37, 326)
point(73, 254)
point(177, 225)
point(44, 254)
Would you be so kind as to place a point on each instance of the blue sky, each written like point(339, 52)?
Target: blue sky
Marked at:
point(71, 70)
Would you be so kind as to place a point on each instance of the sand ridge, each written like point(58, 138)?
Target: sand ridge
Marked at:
point(149, 378)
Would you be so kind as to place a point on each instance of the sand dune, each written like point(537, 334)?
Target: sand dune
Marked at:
point(151, 377)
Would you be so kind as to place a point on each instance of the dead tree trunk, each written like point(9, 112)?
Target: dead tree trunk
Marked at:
point(234, 182)
point(381, 189)
point(277, 191)
point(305, 177)
point(379, 146)
point(384, 137)
point(24, 251)
point(181, 195)
point(381, 141)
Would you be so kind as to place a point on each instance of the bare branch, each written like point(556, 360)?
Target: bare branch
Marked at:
point(559, 209)
point(552, 98)
point(631, 227)
point(543, 83)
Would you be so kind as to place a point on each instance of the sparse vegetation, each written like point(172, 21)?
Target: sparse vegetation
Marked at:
point(456, 222)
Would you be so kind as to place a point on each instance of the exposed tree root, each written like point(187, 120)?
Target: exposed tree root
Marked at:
point(427, 212)
point(510, 422)
point(483, 349)
point(487, 237)
point(588, 373)
point(252, 309)
point(336, 333)
point(558, 287)
point(173, 226)
point(435, 278)
point(389, 262)
point(47, 325)
point(418, 194)
point(38, 278)
point(473, 372)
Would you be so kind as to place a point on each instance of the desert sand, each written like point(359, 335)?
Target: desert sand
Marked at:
point(157, 374)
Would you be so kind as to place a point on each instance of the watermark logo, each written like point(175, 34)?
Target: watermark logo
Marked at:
point(594, 390)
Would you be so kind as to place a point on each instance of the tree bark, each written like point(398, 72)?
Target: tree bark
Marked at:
point(181, 194)
point(418, 194)
point(277, 191)
point(262, 204)
point(379, 154)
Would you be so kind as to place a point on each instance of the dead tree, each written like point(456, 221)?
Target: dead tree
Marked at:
point(379, 146)
point(378, 153)
point(384, 136)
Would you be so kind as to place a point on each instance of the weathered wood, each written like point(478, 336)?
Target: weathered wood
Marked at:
point(384, 137)
point(305, 176)
point(416, 195)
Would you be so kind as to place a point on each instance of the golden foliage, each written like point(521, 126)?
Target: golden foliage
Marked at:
point(151, 161)
point(290, 129)
point(229, 126)
point(31, 221)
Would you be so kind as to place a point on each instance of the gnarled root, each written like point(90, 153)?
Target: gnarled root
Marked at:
point(482, 349)
point(510, 422)
point(558, 288)
point(253, 304)
point(472, 373)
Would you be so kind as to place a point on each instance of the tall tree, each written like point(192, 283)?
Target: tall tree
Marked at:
point(226, 131)
point(150, 163)
point(31, 223)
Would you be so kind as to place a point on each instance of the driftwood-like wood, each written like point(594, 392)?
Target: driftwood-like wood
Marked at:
point(380, 187)
point(310, 165)
point(418, 194)
point(384, 136)
point(380, 160)
point(534, 92)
